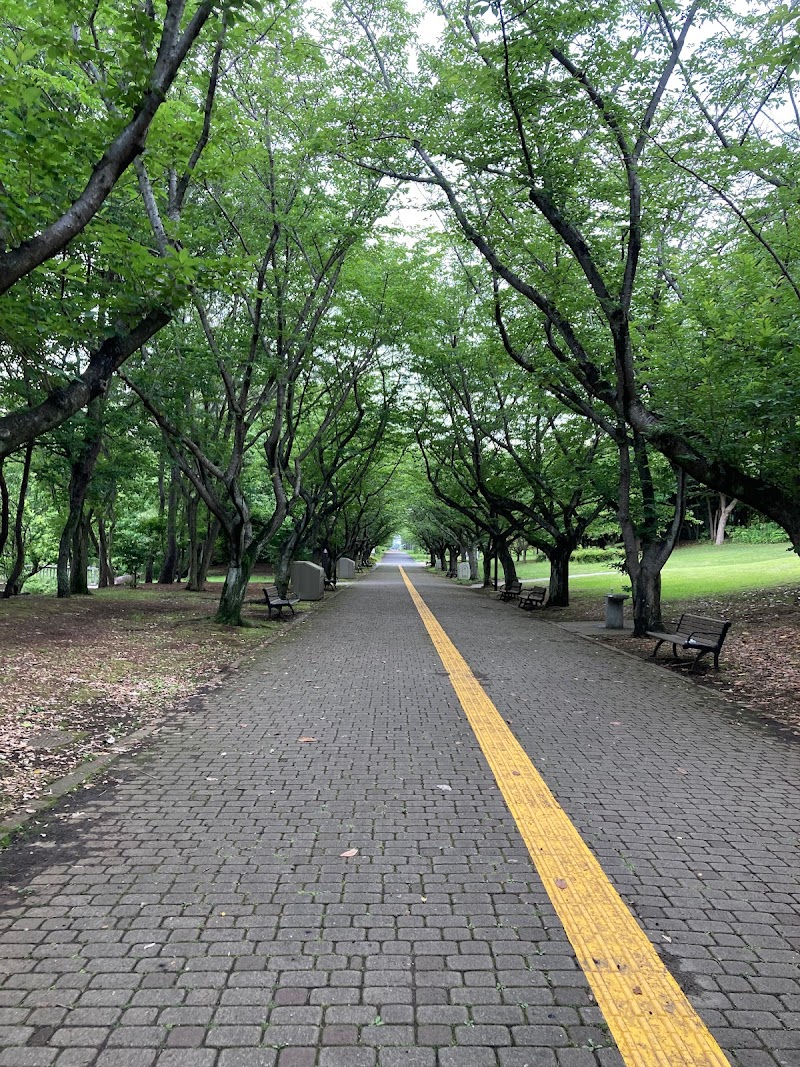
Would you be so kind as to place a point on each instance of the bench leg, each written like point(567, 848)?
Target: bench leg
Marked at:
point(658, 646)
point(697, 660)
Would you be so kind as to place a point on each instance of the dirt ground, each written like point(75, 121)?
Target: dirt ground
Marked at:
point(759, 662)
point(78, 675)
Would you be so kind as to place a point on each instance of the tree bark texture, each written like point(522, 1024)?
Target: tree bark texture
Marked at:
point(720, 518)
point(79, 558)
point(13, 586)
point(193, 577)
point(472, 557)
point(70, 544)
point(506, 562)
point(106, 579)
point(170, 561)
point(559, 557)
point(229, 610)
point(5, 508)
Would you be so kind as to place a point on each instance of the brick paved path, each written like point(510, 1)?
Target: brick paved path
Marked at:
point(195, 911)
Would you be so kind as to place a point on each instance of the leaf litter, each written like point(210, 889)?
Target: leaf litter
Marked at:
point(78, 676)
point(759, 662)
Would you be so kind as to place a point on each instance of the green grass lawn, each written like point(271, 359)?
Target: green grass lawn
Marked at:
point(697, 571)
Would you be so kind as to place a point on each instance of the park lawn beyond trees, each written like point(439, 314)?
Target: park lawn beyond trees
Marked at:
point(693, 572)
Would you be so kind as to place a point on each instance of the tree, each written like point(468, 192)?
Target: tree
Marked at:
point(80, 94)
point(263, 352)
point(572, 227)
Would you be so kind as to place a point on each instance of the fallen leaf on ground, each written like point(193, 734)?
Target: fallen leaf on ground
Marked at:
point(348, 855)
point(305, 740)
point(445, 788)
point(561, 883)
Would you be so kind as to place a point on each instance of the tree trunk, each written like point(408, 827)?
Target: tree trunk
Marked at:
point(647, 595)
point(207, 554)
point(452, 553)
point(181, 567)
point(5, 508)
point(79, 559)
point(193, 580)
point(721, 516)
point(283, 566)
point(432, 553)
point(62, 563)
point(72, 547)
point(13, 584)
point(170, 563)
point(229, 611)
point(646, 553)
point(472, 557)
point(148, 569)
point(506, 562)
point(559, 557)
point(488, 556)
point(104, 553)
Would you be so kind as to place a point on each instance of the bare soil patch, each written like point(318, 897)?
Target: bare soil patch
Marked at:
point(78, 675)
point(760, 660)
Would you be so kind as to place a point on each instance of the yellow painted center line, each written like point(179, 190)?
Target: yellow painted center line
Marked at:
point(653, 1023)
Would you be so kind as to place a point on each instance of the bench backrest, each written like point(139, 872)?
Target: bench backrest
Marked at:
point(271, 593)
point(701, 626)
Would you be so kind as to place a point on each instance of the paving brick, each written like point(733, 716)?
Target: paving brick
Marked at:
point(406, 1057)
point(250, 1057)
point(347, 1057)
point(77, 1057)
point(187, 1057)
point(126, 1058)
point(294, 1057)
point(529, 1057)
point(467, 1057)
point(27, 1057)
point(227, 903)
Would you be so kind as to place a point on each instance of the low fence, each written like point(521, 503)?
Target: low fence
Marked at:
point(46, 577)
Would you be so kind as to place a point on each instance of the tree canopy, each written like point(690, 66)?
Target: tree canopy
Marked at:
point(203, 250)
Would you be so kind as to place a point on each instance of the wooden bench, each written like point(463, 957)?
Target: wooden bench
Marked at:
point(275, 602)
point(532, 598)
point(510, 591)
point(695, 633)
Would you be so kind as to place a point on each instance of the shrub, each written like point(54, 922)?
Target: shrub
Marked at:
point(596, 555)
point(758, 533)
